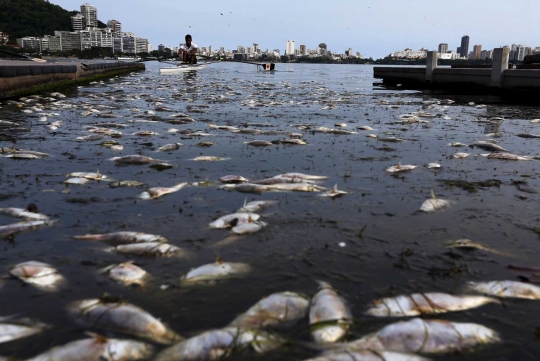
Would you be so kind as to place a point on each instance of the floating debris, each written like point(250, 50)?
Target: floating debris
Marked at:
point(132, 159)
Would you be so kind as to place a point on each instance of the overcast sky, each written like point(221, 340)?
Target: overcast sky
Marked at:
point(373, 27)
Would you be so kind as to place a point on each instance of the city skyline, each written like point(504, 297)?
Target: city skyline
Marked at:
point(375, 29)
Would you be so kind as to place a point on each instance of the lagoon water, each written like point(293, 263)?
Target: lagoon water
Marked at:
point(309, 237)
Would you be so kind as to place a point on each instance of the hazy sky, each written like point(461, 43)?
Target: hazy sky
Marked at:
point(373, 27)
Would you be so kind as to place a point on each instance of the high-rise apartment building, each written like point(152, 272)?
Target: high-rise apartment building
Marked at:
point(477, 51)
point(29, 42)
point(90, 15)
point(77, 22)
point(303, 50)
point(443, 48)
point(289, 50)
point(464, 51)
point(69, 40)
point(115, 26)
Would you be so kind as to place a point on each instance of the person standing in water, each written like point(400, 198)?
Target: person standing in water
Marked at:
point(188, 51)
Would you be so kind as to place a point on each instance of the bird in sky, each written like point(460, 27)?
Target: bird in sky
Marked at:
point(221, 13)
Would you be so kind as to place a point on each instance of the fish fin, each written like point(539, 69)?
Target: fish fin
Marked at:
point(219, 260)
point(433, 194)
point(398, 165)
point(96, 336)
point(334, 190)
point(250, 219)
point(245, 202)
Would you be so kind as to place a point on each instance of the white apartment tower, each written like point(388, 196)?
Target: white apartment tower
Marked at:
point(115, 26)
point(289, 50)
point(90, 15)
point(77, 22)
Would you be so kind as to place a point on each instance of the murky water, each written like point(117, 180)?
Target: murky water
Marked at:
point(400, 251)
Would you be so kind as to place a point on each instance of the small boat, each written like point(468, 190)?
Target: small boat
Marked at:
point(181, 68)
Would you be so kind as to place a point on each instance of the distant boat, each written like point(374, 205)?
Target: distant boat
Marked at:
point(128, 58)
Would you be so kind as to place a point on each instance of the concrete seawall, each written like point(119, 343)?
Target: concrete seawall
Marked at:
point(18, 78)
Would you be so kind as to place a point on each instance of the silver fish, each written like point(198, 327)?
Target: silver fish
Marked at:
point(116, 238)
point(22, 156)
point(215, 271)
point(329, 315)
point(426, 336)
point(98, 348)
point(145, 133)
point(250, 227)
point(13, 228)
point(302, 176)
point(255, 206)
point(425, 303)
point(460, 155)
point(118, 316)
point(11, 329)
point(79, 181)
point(218, 344)
point(275, 309)
point(89, 138)
point(293, 141)
point(234, 219)
point(157, 192)
point(279, 180)
point(24, 213)
point(149, 249)
point(209, 159)
point(132, 159)
point(259, 143)
point(89, 175)
point(169, 147)
point(233, 179)
point(126, 183)
point(295, 187)
point(433, 204)
point(333, 193)
point(488, 146)
point(369, 355)
point(400, 168)
point(39, 274)
point(507, 156)
point(126, 273)
point(506, 289)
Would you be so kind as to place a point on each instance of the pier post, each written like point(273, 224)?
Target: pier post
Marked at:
point(500, 64)
point(431, 64)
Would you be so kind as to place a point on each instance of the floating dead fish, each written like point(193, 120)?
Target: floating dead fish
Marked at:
point(425, 304)
point(219, 344)
point(256, 206)
point(109, 115)
point(145, 133)
point(467, 244)
point(245, 188)
point(433, 166)
point(329, 315)
point(250, 227)
point(117, 316)
point(13, 228)
point(400, 168)
point(109, 143)
point(259, 143)
point(22, 156)
point(292, 141)
point(434, 204)
point(233, 179)
point(13, 329)
point(24, 213)
point(98, 348)
point(303, 176)
point(209, 159)
point(506, 289)
point(169, 147)
point(295, 187)
point(126, 273)
point(426, 336)
point(132, 159)
point(178, 115)
point(488, 146)
point(279, 180)
point(341, 125)
point(215, 271)
point(79, 181)
point(205, 144)
point(157, 192)
point(161, 166)
point(232, 220)
point(535, 121)
point(276, 309)
point(89, 175)
point(364, 127)
point(333, 193)
point(89, 138)
point(460, 155)
point(149, 249)
point(39, 274)
point(126, 183)
point(368, 355)
point(390, 139)
point(530, 136)
point(116, 238)
point(507, 156)
point(457, 144)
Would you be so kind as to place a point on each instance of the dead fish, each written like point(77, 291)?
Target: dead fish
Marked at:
point(157, 192)
point(208, 158)
point(250, 227)
point(460, 155)
point(126, 183)
point(79, 181)
point(205, 144)
point(259, 143)
point(303, 176)
point(109, 115)
point(507, 156)
point(329, 315)
point(433, 165)
point(126, 273)
point(426, 336)
point(24, 213)
point(535, 121)
point(255, 206)
point(425, 303)
point(22, 156)
point(219, 344)
point(530, 136)
point(488, 146)
point(279, 180)
point(118, 316)
point(276, 309)
point(333, 193)
point(233, 179)
point(89, 175)
point(364, 127)
point(39, 274)
point(89, 138)
point(293, 141)
point(13, 228)
point(341, 125)
point(168, 147)
point(506, 289)
point(400, 168)
point(109, 143)
point(116, 238)
point(368, 355)
point(13, 329)
point(178, 115)
point(215, 271)
point(161, 166)
point(98, 348)
point(234, 219)
point(390, 139)
point(145, 133)
point(295, 187)
point(456, 144)
point(467, 244)
point(149, 249)
point(434, 204)
point(132, 159)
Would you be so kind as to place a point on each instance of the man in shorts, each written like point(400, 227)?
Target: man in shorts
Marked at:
point(188, 51)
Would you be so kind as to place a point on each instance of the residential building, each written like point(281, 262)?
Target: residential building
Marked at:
point(115, 26)
point(477, 52)
point(528, 51)
point(443, 48)
point(118, 45)
point(256, 48)
point(141, 45)
point(464, 46)
point(129, 44)
point(96, 38)
point(410, 54)
point(161, 48)
point(240, 49)
point(450, 55)
point(150, 48)
point(4, 38)
point(289, 49)
point(459, 50)
point(520, 52)
point(77, 22)
point(69, 40)
point(89, 13)
point(486, 54)
point(303, 50)
point(29, 42)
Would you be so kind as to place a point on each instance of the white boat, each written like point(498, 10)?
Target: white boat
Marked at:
point(181, 68)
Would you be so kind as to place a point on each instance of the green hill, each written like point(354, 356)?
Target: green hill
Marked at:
point(21, 18)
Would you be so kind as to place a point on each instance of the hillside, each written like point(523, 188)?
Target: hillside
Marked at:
point(33, 18)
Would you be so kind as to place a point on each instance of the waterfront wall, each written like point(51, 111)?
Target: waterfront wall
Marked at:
point(19, 78)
